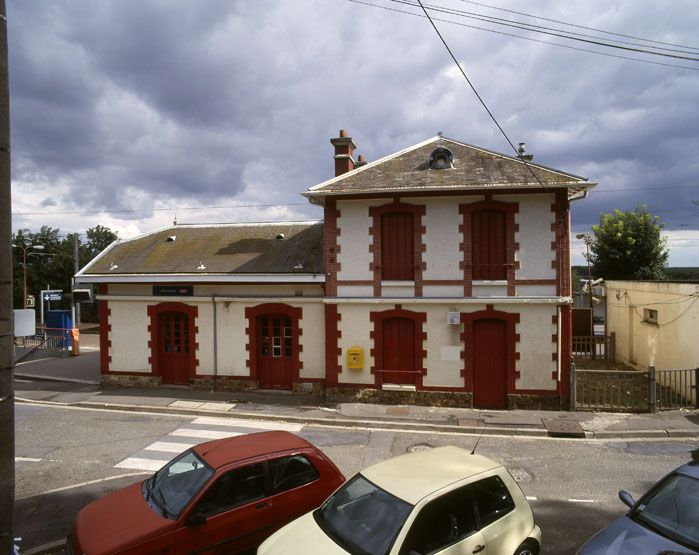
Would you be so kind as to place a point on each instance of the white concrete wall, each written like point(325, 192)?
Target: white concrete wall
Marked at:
point(442, 239)
point(444, 346)
point(354, 327)
point(672, 343)
point(354, 239)
point(536, 365)
point(534, 237)
point(129, 336)
point(231, 324)
point(312, 340)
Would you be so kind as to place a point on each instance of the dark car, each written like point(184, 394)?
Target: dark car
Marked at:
point(664, 520)
point(223, 496)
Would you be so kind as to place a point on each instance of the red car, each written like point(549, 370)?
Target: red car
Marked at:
point(223, 496)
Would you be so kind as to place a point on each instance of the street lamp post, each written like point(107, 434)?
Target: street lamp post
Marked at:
point(24, 266)
point(586, 237)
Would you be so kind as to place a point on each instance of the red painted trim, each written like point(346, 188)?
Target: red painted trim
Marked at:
point(332, 344)
point(535, 282)
point(331, 249)
point(418, 211)
point(561, 244)
point(419, 318)
point(442, 282)
point(295, 313)
point(156, 310)
point(566, 349)
point(511, 319)
point(105, 327)
point(466, 264)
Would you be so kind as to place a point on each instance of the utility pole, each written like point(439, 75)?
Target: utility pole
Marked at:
point(7, 358)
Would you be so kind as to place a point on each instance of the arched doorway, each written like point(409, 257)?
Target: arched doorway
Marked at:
point(173, 342)
point(275, 351)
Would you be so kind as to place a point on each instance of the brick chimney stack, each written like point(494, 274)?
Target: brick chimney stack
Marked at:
point(344, 148)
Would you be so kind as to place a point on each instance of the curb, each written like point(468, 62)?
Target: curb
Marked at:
point(40, 377)
point(377, 424)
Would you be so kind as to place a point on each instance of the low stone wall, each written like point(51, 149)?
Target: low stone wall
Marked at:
point(112, 380)
point(221, 383)
point(537, 402)
point(385, 397)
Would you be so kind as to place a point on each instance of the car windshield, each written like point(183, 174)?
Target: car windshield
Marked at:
point(362, 518)
point(173, 486)
point(672, 510)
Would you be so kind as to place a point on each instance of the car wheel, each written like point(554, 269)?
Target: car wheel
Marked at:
point(528, 547)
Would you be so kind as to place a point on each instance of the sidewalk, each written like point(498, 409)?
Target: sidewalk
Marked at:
point(308, 410)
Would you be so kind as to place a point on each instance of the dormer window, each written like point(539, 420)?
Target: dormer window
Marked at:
point(441, 159)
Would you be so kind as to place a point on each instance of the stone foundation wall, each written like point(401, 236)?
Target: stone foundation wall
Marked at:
point(308, 388)
point(423, 398)
point(223, 384)
point(537, 402)
point(112, 380)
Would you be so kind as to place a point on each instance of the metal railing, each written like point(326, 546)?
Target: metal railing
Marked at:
point(594, 346)
point(633, 391)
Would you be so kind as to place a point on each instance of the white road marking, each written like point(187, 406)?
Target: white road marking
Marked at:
point(89, 482)
point(169, 447)
point(205, 434)
point(251, 424)
point(581, 500)
point(26, 459)
point(531, 498)
point(137, 463)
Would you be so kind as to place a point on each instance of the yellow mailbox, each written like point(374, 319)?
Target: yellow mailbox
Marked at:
point(355, 358)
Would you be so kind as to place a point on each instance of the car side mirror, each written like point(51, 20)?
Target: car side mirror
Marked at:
point(626, 498)
point(195, 519)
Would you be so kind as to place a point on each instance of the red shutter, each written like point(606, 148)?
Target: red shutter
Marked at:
point(488, 244)
point(397, 247)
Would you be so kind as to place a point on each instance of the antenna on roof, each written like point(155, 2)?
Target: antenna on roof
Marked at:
point(473, 451)
point(174, 222)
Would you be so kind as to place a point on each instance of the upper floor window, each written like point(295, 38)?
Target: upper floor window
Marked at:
point(397, 246)
point(488, 245)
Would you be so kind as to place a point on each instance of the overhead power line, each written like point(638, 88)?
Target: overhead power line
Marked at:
point(576, 25)
point(173, 209)
point(530, 39)
point(548, 31)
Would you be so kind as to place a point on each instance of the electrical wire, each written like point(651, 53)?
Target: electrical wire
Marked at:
point(575, 25)
point(549, 43)
point(545, 30)
point(173, 209)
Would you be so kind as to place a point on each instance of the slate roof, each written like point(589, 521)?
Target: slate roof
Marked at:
point(473, 168)
point(220, 249)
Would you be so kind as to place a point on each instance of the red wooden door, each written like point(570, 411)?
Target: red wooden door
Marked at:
point(397, 247)
point(275, 351)
point(398, 351)
point(490, 364)
point(174, 345)
point(488, 244)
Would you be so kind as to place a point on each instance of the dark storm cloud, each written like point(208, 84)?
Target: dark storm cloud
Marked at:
point(128, 103)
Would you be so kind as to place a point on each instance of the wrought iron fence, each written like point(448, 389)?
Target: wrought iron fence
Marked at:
point(633, 391)
point(47, 338)
point(594, 346)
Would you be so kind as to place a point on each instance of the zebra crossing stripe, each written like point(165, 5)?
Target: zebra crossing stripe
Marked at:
point(204, 434)
point(169, 447)
point(142, 464)
point(247, 424)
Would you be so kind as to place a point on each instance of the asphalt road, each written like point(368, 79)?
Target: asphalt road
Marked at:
point(67, 457)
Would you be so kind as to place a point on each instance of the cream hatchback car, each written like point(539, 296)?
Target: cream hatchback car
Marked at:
point(443, 500)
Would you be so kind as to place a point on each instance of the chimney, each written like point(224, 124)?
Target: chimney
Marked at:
point(344, 148)
point(361, 161)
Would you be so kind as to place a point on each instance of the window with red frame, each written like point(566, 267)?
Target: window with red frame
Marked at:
point(397, 246)
point(488, 244)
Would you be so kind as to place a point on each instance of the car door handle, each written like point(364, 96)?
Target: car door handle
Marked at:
point(479, 548)
point(260, 505)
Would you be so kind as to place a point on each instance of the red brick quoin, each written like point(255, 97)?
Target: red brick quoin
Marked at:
point(105, 327)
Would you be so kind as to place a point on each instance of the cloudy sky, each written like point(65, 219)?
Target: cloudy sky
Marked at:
point(129, 113)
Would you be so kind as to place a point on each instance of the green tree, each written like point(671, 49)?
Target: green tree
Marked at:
point(628, 245)
point(98, 239)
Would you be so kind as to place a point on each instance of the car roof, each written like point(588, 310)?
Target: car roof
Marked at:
point(689, 469)
point(237, 448)
point(413, 476)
